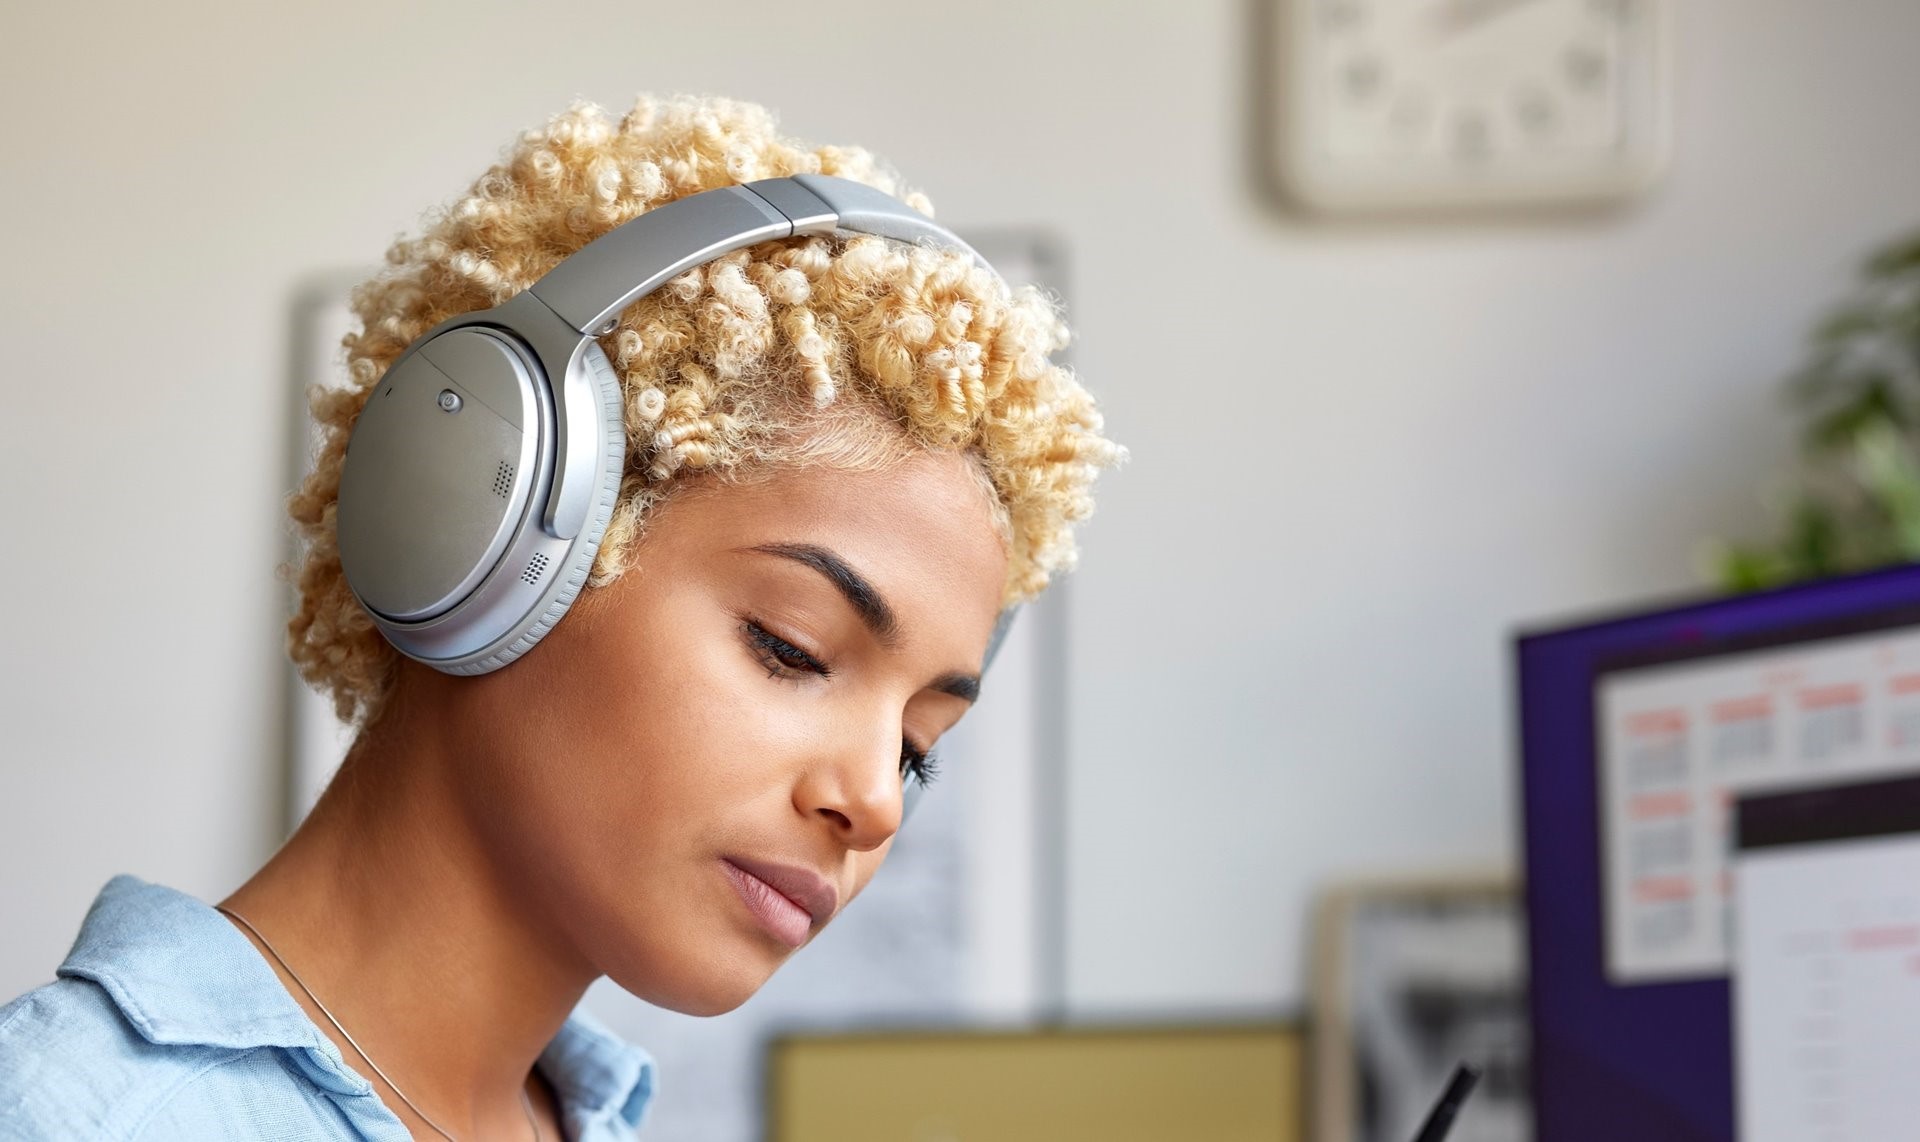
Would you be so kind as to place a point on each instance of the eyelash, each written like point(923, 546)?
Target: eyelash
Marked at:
point(780, 656)
point(923, 765)
point(783, 659)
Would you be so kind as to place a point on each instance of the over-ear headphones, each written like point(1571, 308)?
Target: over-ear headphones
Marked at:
point(482, 471)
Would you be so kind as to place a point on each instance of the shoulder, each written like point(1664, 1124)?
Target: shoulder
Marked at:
point(74, 1067)
point(165, 1024)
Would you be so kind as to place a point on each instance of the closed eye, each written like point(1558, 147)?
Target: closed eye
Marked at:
point(780, 657)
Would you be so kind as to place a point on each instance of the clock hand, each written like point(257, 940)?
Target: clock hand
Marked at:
point(1460, 16)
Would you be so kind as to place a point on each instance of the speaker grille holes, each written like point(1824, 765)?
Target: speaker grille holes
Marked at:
point(535, 567)
point(503, 480)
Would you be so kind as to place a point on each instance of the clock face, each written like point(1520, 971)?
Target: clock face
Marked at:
point(1412, 102)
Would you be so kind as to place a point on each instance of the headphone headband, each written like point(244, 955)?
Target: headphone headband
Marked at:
point(590, 289)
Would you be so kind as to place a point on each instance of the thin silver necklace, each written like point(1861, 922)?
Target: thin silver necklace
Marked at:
point(526, 1103)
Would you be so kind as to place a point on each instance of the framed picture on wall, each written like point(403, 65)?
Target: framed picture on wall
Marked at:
point(960, 927)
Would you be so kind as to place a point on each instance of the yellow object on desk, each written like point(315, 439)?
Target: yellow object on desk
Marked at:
point(1190, 1084)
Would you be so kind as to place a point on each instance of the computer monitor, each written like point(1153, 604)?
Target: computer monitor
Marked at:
point(1636, 734)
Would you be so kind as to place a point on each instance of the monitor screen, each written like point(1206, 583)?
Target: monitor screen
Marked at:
point(1826, 945)
point(1636, 734)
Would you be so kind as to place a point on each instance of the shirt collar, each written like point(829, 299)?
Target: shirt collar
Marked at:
point(597, 1072)
point(183, 975)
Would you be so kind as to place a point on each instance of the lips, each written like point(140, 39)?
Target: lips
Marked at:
point(788, 901)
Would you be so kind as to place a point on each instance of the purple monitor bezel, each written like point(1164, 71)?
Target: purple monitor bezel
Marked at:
point(1652, 1062)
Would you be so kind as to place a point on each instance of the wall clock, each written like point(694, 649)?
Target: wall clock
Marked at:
point(1412, 105)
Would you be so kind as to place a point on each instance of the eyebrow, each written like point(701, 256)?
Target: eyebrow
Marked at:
point(965, 687)
point(868, 603)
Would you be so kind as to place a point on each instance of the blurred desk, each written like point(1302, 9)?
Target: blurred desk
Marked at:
point(1218, 1084)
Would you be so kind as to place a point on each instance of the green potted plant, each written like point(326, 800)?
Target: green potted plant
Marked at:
point(1856, 501)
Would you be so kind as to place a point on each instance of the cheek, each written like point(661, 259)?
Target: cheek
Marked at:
point(661, 747)
point(662, 752)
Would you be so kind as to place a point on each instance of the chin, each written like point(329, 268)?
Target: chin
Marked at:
point(699, 985)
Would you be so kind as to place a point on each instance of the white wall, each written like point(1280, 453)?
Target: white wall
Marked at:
point(1361, 453)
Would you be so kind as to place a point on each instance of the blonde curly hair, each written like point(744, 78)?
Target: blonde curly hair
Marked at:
point(776, 354)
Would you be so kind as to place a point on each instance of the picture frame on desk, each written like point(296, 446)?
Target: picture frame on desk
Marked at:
point(1115, 1083)
point(1412, 976)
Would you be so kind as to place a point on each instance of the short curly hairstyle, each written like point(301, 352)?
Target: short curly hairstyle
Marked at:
point(741, 365)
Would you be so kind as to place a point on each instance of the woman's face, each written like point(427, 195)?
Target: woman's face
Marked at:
point(702, 763)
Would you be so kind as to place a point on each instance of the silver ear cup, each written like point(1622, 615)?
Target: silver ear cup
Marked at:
point(447, 477)
point(438, 474)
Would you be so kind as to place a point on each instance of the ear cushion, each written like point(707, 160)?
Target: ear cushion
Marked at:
point(579, 558)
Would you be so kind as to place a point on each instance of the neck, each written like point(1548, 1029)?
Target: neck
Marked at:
point(389, 907)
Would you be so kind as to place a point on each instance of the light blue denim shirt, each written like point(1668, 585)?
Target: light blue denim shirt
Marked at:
point(165, 1024)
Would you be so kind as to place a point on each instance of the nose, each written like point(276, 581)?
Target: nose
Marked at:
point(856, 790)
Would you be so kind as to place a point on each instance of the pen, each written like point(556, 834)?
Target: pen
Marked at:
point(1440, 1118)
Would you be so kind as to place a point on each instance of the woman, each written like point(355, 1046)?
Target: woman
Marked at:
point(845, 457)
